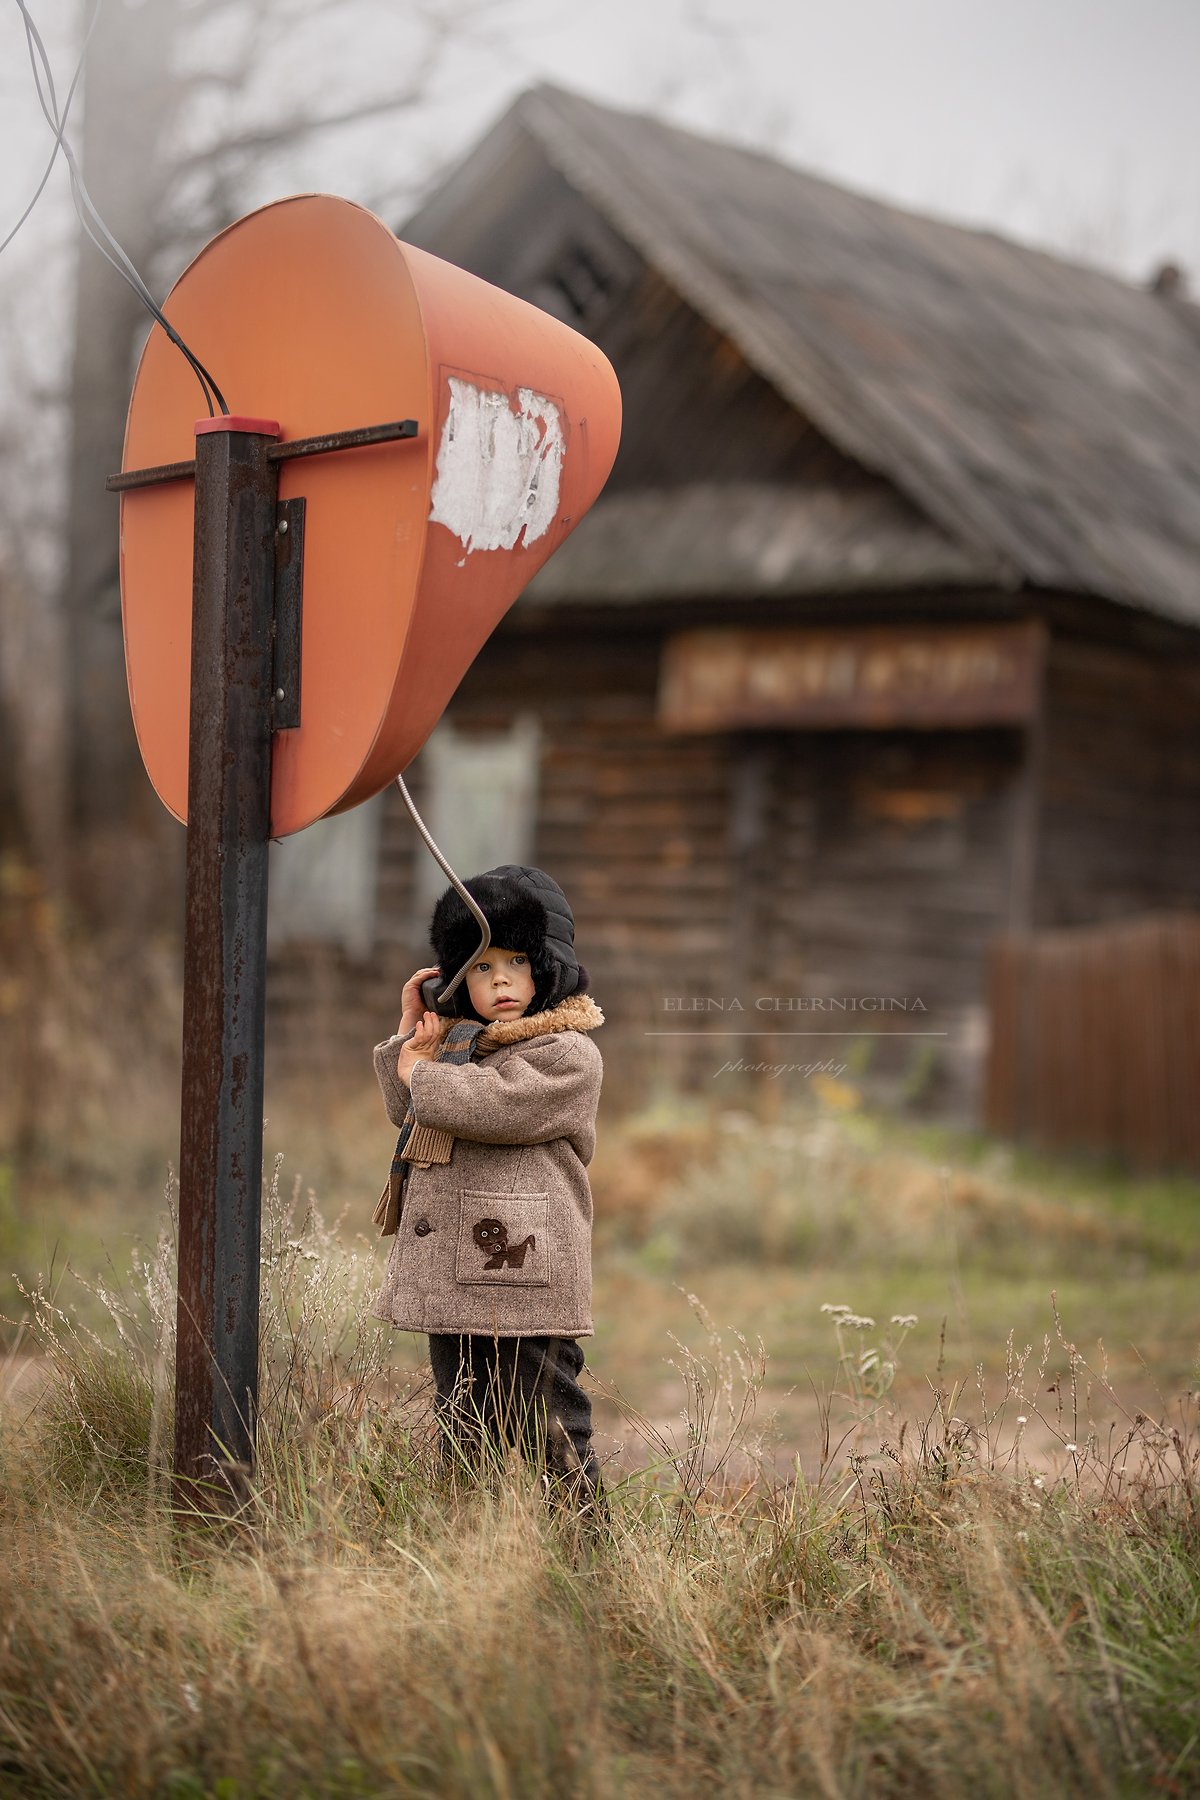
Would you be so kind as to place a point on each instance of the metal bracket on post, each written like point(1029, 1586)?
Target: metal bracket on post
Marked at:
point(289, 597)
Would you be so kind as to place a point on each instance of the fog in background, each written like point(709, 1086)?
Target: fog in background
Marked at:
point(1066, 123)
point(1069, 124)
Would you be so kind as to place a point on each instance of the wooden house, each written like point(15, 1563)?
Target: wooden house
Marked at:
point(884, 637)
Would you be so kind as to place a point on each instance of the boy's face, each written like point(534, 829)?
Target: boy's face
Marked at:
point(500, 984)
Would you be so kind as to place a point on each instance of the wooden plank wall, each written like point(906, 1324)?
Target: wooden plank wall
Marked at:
point(633, 825)
point(1095, 1030)
point(753, 865)
point(887, 873)
point(1119, 820)
point(762, 864)
point(1095, 1039)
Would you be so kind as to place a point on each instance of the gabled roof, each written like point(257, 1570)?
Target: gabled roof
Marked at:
point(1044, 414)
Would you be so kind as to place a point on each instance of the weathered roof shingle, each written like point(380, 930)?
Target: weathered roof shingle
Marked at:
point(1045, 415)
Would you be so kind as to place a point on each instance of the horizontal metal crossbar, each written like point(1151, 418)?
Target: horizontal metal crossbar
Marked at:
point(360, 438)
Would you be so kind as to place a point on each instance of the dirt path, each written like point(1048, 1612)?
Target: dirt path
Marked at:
point(21, 1381)
point(789, 1431)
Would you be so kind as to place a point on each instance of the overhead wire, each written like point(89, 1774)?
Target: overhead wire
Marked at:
point(82, 199)
point(37, 192)
point(85, 208)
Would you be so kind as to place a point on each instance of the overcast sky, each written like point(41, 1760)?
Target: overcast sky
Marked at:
point(1073, 123)
point(1070, 123)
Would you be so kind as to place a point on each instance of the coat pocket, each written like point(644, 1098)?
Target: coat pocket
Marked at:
point(504, 1240)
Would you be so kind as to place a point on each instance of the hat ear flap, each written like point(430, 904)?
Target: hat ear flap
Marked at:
point(554, 980)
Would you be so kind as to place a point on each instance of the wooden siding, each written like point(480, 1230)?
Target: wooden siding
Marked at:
point(1118, 818)
point(701, 411)
point(1095, 1040)
point(764, 863)
point(757, 865)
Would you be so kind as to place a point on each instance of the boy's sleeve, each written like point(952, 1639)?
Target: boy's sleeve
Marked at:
point(548, 1091)
point(395, 1094)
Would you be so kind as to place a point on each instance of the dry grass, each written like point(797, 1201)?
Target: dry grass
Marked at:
point(928, 1614)
point(810, 1187)
point(983, 1577)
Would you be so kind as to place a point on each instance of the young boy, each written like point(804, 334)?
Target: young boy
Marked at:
point(497, 1109)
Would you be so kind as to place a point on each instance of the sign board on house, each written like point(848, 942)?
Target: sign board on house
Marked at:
point(872, 676)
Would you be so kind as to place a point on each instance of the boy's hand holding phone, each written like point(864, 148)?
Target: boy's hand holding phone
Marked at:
point(420, 1046)
point(412, 1005)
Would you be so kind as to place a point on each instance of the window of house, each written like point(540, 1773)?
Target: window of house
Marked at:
point(580, 282)
point(321, 884)
point(480, 801)
point(583, 283)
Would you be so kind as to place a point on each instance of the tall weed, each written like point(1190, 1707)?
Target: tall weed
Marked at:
point(927, 1612)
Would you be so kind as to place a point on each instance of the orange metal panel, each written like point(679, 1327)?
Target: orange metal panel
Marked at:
point(311, 312)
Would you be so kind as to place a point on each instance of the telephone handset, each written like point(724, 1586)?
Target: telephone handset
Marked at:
point(431, 987)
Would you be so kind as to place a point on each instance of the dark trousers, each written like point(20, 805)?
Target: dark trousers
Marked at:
point(517, 1391)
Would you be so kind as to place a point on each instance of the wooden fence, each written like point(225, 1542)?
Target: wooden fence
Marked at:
point(1095, 1039)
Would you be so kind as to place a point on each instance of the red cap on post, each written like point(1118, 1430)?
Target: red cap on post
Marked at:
point(237, 422)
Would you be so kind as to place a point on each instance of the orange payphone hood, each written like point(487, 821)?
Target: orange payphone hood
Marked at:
point(310, 311)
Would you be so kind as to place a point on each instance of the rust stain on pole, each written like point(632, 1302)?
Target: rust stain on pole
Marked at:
point(229, 787)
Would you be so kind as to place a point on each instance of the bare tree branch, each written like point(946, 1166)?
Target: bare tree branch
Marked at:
point(286, 131)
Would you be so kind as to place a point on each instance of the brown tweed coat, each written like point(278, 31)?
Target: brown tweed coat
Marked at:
point(498, 1240)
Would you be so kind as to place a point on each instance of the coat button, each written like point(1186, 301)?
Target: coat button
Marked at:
point(422, 1228)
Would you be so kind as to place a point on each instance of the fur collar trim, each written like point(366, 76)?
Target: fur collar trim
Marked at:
point(578, 1012)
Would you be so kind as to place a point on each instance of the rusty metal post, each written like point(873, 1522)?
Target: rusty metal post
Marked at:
point(224, 981)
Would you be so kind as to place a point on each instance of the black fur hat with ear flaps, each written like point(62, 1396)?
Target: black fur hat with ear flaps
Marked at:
point(527, 911)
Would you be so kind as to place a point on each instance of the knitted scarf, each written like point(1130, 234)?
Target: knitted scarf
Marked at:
point(427, 1144)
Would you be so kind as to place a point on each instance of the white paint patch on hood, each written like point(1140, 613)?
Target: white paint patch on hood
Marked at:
point(498, 471)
